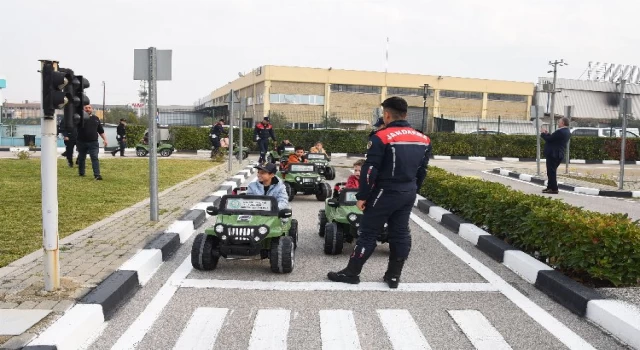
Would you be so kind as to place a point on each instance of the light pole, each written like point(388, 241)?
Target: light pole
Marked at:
point(104, 111)
point(424, 107)
point(555, 65)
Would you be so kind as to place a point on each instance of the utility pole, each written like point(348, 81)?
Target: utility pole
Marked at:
point(232, 101)
point(153, 156)
point(624, 110)
point(104, 111)
point(424, 107)
point(555, 65)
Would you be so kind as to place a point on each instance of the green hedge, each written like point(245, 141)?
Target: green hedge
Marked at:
point(449, 144)
point(577, 241)
point(135, 133)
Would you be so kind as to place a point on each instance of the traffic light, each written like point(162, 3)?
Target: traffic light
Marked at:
point(80, 100)
point(53, 84)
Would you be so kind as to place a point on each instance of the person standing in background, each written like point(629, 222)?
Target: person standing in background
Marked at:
point(88, 143)
point(69, 137)
point(121, 137)
point(554, 147)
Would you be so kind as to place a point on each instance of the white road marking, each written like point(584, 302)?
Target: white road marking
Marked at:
point(202, 330)
point(338, 330)
point(270, 330)
point(402, 330)
point(139, 328)
point(331, 286)
point(538, 314)
point(479, 330)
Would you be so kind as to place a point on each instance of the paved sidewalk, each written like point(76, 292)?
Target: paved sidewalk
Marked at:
point(90, 255)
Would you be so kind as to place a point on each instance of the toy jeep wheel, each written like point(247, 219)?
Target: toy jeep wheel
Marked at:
point(329, 173)
point(322, 222)
point(324, 191)
point(165, 152)
point(293, 233)
point(290, 191)
point(141, 152)
point(203, 256)
point(333, 239)
point(282, 254)
point(270, 159)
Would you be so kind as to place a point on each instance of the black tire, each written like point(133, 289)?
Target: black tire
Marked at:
point(333, 239)
point(204, 256)
point(245, 155)
point(270, 159)
point(322, 222)
point(141, 152)
point(282, 255)
point(290, 191)
point(293, 233)
point(324, 191)
point(165, 152)
point(329, 173)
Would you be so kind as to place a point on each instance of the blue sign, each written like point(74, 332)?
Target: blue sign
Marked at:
point(3, 84)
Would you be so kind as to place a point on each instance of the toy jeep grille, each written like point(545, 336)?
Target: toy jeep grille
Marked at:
point(241, 233)
point(306, 179)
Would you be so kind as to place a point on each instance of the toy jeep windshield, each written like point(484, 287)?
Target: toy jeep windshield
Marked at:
point(339, 222)
point(247, 225)
point(321, 161)
point(303, 178)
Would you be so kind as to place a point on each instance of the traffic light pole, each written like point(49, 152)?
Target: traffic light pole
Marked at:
point(153, 153)
point(49, 178)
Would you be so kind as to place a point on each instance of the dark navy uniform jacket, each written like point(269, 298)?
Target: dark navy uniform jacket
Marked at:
point(556, 143)
point(263, 132)
point(397, 157)
point(216, 130)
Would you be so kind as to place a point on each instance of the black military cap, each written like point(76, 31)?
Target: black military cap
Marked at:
point(395, 103)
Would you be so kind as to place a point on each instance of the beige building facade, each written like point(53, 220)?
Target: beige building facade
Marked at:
point(310, 95)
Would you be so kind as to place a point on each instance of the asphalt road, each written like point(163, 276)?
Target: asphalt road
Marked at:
point(451, 297)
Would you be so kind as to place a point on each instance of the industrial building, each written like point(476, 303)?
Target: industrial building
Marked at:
point(309, 97)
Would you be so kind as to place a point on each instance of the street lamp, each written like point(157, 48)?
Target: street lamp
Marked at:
point(555, 65)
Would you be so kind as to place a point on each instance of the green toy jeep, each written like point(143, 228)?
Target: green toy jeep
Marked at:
point(339, 222)
point(247, 225)
point(321, 161)
point(303, 178)
point(275, 157)
point(164, 149)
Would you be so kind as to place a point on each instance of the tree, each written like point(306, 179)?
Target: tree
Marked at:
point(278, 120)
point(332, 121)
point(114, 115)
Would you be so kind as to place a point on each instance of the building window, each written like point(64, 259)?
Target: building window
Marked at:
point(507, 97)
point(249, 101)
point(362, 89)
point(407, 91)
point(260, 99)
point(297, 99)
point(461, 94)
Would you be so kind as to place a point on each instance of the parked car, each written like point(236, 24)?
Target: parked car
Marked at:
point(488, 132)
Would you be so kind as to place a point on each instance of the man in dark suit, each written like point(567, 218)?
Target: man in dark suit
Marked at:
point(554, 148)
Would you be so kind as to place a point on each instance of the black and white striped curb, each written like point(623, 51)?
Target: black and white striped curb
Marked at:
point(76, 327)
point(499, 159)
point(566, 187)
point(617, 317)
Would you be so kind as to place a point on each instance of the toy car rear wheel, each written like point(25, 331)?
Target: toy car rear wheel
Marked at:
point(165, 152)
point(270, 159)
point(322, 222)
point(141, 152)
point(333, 239)
point(323, 192)
point(293, 233)
point(204, 254)
point(329, 173)
point(290, 191)
point(282, 255)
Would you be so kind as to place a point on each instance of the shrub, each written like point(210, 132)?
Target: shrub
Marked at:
point(577, 241)
point(135, 133)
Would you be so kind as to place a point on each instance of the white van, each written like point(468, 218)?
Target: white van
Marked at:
point(604, 132)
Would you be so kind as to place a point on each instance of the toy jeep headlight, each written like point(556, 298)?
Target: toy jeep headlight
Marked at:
point(263, 230)
point(319, 179)
point(298, 178)
point(219, 228)
point(352, 217)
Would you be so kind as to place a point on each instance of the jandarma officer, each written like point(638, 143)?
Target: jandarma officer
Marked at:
point(389, 180)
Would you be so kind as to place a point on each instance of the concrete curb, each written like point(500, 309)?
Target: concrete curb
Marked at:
point(567, 187)
point(619, 318)
point(499, 159)
point(78, 325)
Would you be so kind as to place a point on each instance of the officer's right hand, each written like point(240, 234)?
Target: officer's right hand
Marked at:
point(361, 204)
point(66, 138)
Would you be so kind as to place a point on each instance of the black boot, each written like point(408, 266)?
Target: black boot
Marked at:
point(351, 274)
point(394, 270)
point(113, 153)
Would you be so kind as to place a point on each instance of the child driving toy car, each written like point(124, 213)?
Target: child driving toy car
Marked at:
point(297, 157)
point(353, 181)
point(269, 185)
point(318, 148)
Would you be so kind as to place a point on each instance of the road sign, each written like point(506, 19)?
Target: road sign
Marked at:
point(141, 64)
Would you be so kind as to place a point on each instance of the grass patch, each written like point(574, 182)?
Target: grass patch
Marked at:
point(82, 201)
point(595, 180)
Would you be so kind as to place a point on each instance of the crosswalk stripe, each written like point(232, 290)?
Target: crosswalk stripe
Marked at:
point(338, 330)
point(270, 330)
point(402, 330)
point(202, 329)
point(479, 330)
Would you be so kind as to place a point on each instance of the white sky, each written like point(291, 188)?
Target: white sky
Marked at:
point(213, 40)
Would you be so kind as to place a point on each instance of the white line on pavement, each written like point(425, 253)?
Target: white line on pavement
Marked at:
point(338, 330)
point(543, 318)
point(202, 330)
point(402, 330)
point(270, 330)
point(331, 286)
point(478, 330)
point(139, 328)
